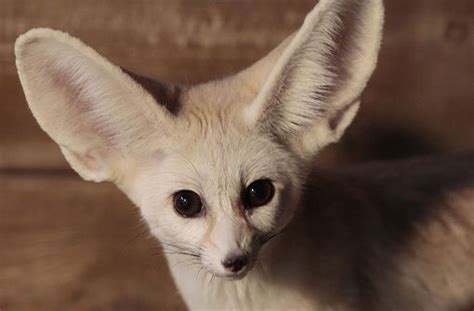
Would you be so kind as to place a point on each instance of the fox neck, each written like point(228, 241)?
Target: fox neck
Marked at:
point(202, 290)
point(289, 271)
point(285, 276)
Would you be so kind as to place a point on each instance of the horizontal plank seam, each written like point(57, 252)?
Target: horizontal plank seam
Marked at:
point(16, 172)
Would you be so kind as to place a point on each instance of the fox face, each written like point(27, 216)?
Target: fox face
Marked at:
point(217, 168)
point(217, 196)
point(220, 189)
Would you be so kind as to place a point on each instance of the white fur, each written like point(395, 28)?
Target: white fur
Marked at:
point(71, 89)
point(228, 134)
point(308, 57)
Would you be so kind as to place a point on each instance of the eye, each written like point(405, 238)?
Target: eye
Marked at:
point(187, 203)
point(259, 193)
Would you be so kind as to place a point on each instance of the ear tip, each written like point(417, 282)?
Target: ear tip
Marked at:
point(35, 35)
point(379, 8)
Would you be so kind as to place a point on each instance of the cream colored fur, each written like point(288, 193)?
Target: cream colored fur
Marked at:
point(268, 121)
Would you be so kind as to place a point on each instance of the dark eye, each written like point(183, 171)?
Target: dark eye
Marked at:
point(187, 203)
point(259, 193)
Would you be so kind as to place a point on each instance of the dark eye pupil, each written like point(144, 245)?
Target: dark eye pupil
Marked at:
point(259, 193)
point(187, 203)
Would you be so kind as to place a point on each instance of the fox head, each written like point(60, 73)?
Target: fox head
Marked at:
point(218, 168)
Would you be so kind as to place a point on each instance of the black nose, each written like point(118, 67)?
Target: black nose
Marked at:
point(235, 263)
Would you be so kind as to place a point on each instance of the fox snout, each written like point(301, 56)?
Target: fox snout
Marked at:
point(231, 248)
point(235, 263)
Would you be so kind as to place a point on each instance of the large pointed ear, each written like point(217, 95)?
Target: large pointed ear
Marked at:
point(94, 111)
point(312, 91)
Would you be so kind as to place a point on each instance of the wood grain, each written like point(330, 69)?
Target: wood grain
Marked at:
point(69, 245)
point(72, 245)
point(423, 84)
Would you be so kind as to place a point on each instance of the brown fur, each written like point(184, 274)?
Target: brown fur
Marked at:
point(393, 236)
point(166, 95)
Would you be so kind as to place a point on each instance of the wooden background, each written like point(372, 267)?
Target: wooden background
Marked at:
point(70, 245)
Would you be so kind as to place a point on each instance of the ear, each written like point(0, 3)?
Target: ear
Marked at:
point(94, 111)
point(312, 92)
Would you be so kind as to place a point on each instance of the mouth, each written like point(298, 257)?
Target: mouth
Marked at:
point(227, 273)
point(235, 276)
point(231, 277)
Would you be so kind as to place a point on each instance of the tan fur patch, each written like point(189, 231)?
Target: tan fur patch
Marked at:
point(438, 265)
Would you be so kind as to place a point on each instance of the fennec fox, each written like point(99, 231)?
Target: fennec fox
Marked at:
point(223, 175)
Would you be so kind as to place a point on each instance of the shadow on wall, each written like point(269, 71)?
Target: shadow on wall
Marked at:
point(71, 245)
point(421, 91)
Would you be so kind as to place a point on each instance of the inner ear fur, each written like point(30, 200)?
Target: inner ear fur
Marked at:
point(312, 92)
point(92, 109)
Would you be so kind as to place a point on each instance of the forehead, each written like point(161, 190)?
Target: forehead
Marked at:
point(224, 158)
point(213, 146)
point(220, 100)
point(226, 153)
point(212, 128)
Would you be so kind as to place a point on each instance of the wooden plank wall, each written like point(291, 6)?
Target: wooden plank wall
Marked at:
point(66, 244)
point(423, 85)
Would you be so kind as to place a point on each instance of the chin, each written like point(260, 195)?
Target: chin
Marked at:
point(235, 276)
point(228, 276)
